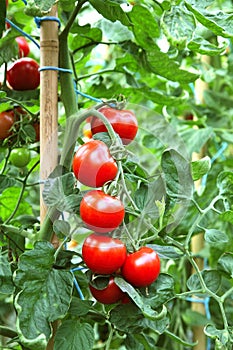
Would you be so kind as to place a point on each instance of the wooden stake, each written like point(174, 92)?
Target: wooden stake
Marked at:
point(48, 101)
point(197, 242)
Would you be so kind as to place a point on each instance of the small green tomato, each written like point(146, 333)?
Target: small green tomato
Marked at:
point(20, 157)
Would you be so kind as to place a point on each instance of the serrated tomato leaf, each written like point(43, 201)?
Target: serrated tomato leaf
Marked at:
point(44, 294)
point(73, 335)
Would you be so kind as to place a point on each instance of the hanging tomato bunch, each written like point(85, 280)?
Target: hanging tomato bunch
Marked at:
point(103, 253)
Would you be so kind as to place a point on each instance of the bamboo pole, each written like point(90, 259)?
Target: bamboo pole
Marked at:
point(48, 101)
point(197, 242)
point(49, 49)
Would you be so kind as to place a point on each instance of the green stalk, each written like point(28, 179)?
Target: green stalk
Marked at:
point(8, 332)
point(21, 194)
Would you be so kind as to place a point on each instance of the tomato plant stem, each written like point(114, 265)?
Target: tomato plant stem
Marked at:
point(6, 161)
point(110, 335)
point(126, 191)
point(21, 194)
point(8, 332)
point(226, 294)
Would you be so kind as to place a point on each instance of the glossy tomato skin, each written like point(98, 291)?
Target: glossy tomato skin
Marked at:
point(24, 49)
point(93, 165)
point(24, 74)
point(124, 123)
point(103, 254)
point(101, 212)
point(20, 157)
point(109, 295)
point(6, 123)
point(142, 267)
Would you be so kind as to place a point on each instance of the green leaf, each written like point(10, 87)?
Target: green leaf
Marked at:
point(73, 335)
point(132, 343)
point(2, 95)
point(141, 196)
point(166, 252)
point(6, 182)
point(8, 47)
point(61, 228)
point(177, 173)
point(80, 307)
point(2, 17)
point(127, 318)
point(194, 318)
point(111, 10)
point(145, 27)
point(221, 334)
point(227, 216)
point(219, 23)
point(39, 7)
point(145, 308)
point(225, 183)
point(6, 282)
point(178, 25)
point(115, 31)
point(214, 99)
point(225, 264)
point(93, 35)
point(8, 200)
point(161, 291)
point(44, 294)
point(200, 167)
point(159, 63)
point(195, 139)
point(214, 237)
point(204, 47)
point(212, 280)
point(59, 192)
point(67, 5)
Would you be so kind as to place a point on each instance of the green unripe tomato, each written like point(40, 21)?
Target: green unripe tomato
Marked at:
point(20, 157)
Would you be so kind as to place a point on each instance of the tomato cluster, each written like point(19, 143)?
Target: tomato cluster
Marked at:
point(104, 255)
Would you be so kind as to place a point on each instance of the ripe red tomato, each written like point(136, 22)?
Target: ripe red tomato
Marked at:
point(24, 74)
point(103, 254)
point(23, 46)
point(101, 212)
point(6, 122)
point(93, 164)
point(109, 295)
point(124, 123)
point(142, 267)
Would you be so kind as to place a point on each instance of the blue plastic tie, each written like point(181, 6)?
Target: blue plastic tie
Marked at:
point(22, 32)
point(77, 286)
point(87, 96)
point(212, 160)
point(38, 20)
point(64, 70)
point(25, 2)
